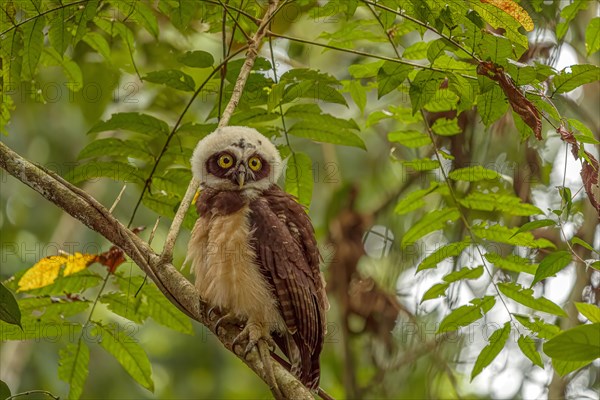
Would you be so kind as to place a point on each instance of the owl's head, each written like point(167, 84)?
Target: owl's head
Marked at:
point(236, 158)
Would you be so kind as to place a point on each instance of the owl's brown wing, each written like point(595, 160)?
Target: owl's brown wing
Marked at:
point(288, 256)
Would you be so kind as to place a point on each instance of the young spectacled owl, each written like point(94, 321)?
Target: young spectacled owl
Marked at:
point(253, 248)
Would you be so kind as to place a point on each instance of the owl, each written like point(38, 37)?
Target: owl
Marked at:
point(253, 248)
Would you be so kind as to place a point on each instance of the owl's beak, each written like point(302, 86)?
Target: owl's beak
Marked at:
point(241, 175)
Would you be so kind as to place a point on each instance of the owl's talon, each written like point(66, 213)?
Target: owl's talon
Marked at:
point(227, 318)
point(212, 314)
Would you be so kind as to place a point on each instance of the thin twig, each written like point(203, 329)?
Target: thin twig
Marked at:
point(118, 199)
point(30, 392)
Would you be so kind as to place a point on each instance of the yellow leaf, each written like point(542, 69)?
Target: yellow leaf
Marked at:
point(77, 262)
point(46, 270)
point(43, 273)
point(514, 10)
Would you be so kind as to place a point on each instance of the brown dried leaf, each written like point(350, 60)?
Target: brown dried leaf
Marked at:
point(590, 174)
point(519, 103)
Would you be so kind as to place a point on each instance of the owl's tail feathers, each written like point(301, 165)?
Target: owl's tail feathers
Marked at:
point(304, 361)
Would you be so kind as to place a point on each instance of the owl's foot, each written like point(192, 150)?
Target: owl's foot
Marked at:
point(254, 334)
point(259, 335)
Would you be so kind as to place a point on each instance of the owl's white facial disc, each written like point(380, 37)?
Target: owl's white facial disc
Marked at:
point(228, 152)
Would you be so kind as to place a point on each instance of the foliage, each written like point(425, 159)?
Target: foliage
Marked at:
point(454, 88)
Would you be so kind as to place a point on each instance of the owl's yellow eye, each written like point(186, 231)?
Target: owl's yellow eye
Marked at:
point(225, 161)
point(254, 163)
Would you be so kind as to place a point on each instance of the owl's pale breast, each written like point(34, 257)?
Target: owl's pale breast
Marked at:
point(226, 272)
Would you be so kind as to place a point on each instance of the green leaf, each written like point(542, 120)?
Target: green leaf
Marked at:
point(581, 343)
point(507, 203)
point(565, 367)
point(531, 225)
point(358, 94)
point(492, 105)
point(173, 78)
point(58, 34)
point(34, 329)
point(127, 306)
point(424, 87)
point(411, 138)
point(416, 51)
point(502, 234)
point(473, 174)
point(327, 134)
point(9, 308)
point(490, 352)
point(312, 113)
point(592, 36)
point(174, 181)
point(156, 304)
point(437, 48)
point(390, 76)
point(161, 310)
point(551, 264)
point(464, 273)
point(70, 68)
point(252, 117)
point(569, 12)
point(578, 75)
point(444, 252)
point(97, 42)
point(367, 70)
point(88, 13)
point(127, 352)
point(196, 59)
point(33, 38)
point(414, 200)
point(464, 89)
point(115, 170)
point(437, 290)
point(422, 164)
point(496, 48)
point(512, 263)
point(542, 329)
point(525, 296)
point(527, 346)
point(144, 16)
point(117, 147)
point(51, 309)
point(433, 221)
point(590, 311)
point(446, 127)
point(135, 122)
point(299, 177)
point(467, 314)
point(73, 367)
point(583, 243)
point(4, 390)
